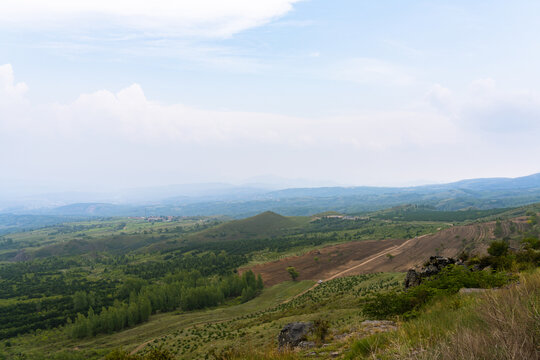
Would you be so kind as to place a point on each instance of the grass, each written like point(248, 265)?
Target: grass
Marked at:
point(49, 238)
point(267, 224)
point(498, 324)
point(255, 333)
point(44, 344)
point(252, 326)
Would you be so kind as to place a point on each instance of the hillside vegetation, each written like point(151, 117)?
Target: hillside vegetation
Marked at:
point(267, 224)
point(182, 287)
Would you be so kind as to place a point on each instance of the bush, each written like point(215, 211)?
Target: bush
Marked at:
point(321, 329)
point(498, 248)
point(531, 243)
point(158, 354)
point(119, 354)
point(155, 353)
point(448, 281)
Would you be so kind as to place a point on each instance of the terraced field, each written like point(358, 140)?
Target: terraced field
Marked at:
point(388, 255)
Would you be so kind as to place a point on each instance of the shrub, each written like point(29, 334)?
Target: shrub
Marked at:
point(531, 243)
point(292, 272)
point(158, 353)
point(448, 281)
point(119, 354)
point(321, 328)
point(498, 248)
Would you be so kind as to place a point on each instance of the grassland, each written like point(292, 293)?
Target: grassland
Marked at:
point(56, 342)
point(336, 301)
point(108, 260)
point(497, 324)
point(196, 335)
point(77, 237)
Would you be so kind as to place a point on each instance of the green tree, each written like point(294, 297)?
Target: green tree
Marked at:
point(145, 308)
point(531, 243)
point(80, 301)
point(498, 232)
point(260, 284)
point(293, 273)
point(498, 248)
point(247, 294)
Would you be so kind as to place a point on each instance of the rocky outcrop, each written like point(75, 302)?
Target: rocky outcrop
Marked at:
point(294, 333)
point(377, 326)
point(412, 278)
point(432, 267)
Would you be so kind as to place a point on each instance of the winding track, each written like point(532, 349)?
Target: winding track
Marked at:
point(370, 259)
point(341, 273)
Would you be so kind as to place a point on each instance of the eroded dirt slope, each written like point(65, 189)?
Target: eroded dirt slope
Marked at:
point(372, 256)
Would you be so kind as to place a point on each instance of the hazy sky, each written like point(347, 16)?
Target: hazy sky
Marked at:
point(112, 93)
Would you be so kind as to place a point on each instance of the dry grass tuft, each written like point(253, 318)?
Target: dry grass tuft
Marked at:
point(509, 326)
point(249, 353)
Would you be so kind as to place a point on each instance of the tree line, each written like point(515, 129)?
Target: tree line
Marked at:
point(186, 290)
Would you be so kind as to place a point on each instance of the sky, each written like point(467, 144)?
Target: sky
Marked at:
point(110, 94)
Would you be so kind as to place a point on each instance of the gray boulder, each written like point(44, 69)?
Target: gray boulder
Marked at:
point(432, 267)
point(412, 279)
point(435, 264)
point(294, 333)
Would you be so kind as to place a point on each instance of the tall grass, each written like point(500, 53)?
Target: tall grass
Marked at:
point(510, 326)
point(496, 325)
point(249, 353)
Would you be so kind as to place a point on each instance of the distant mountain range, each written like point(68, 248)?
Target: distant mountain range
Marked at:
point(239, 202)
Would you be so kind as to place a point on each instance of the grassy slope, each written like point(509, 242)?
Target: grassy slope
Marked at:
point(118, 234)
point(46, 343)
point(267, 224)
point(335, 301)
point(498, 324)
point(253, 325)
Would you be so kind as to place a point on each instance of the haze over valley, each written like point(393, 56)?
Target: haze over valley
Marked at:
point(270, 179)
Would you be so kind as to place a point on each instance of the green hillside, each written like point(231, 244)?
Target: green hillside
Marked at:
point(267, 224)
point(94, 286)
point(429, 213)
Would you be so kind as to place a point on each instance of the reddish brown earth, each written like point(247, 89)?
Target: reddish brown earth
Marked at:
point(361, 257)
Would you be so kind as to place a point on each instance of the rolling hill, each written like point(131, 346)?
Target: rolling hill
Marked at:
point(264, 225)
point(391, 255)
point(478, 194)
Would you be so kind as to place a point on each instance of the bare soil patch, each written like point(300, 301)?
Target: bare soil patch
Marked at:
point(360, 257)
point(322, 264)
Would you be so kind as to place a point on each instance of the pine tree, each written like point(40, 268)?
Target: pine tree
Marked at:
point(260, 284)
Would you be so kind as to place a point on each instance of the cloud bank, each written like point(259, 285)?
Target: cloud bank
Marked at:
point(122, 136)
point(210, 18)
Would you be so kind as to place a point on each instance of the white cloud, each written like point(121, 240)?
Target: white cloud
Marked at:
point(182, 17)
point(10, 92)
point(441, 98)
point(129, 116)
point(484, 107)
point(123, 137)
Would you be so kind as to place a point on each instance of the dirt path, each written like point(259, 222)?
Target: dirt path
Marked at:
point(140, 347)
point(407, 254)
point(370, 259)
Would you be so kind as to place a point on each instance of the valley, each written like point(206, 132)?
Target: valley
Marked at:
point(96, 272)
